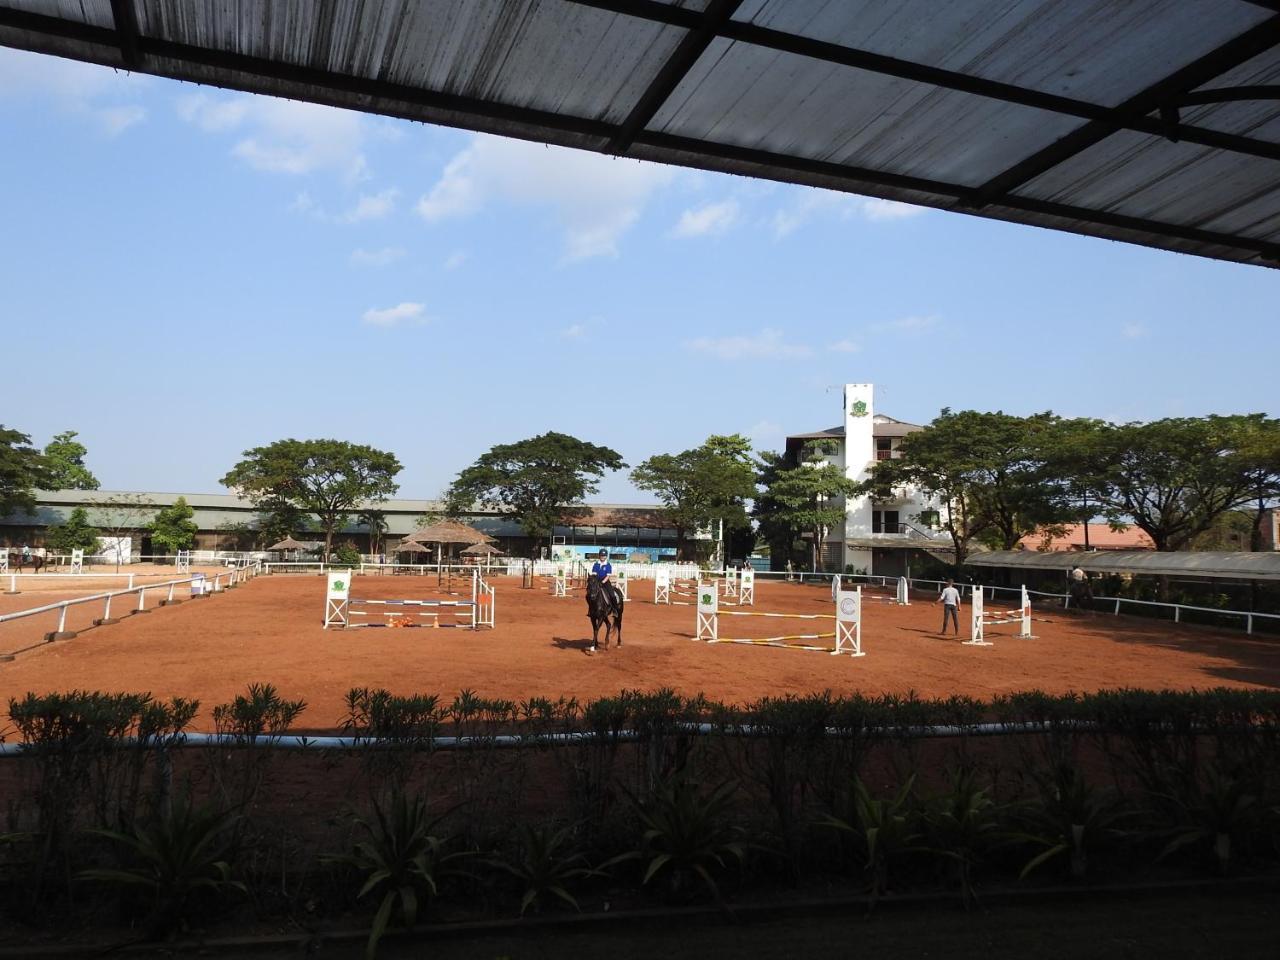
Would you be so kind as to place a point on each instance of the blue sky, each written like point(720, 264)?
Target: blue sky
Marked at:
point(187, 272)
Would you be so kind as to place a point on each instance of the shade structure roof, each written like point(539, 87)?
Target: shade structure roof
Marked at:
point(481, 549)
point(1149, 121)
point(1231, 566)
point(288, 543)
point(448, 531)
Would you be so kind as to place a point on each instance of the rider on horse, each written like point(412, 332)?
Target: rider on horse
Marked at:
point(602, 569)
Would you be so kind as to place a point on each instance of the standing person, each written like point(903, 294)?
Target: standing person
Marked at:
point(950, 600)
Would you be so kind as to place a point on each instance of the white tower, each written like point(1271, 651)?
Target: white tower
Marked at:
point(859, 457)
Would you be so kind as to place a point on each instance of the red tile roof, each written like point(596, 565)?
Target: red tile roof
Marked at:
point(1101, 537)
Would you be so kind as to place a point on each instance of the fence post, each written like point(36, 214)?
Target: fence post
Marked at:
point(1177, 613)
point(1248, 626)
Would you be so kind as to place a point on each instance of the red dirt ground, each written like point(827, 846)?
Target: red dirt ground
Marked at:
point(269, 630)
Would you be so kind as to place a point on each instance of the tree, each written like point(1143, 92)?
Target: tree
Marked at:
point(75, 534)
point(22, 471)
point(122, 514)
point(774, 522)
point(328, 478)
point(1173, 478)
point(1259, 456)
point(278, 519)
point(988, 469)
point(173, 528)
point(710, 482)
point(376, 522)
point(540, 482)
point(65, 458)
point(806, 497)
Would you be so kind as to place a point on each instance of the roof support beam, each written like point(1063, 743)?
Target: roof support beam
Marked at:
point(413, 103)
point(881, 64)
point(126, 19)
point(1166, 92)
point(673, 71)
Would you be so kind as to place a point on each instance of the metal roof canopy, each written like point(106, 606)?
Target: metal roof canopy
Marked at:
point(1229, 566)
point(1148, 121)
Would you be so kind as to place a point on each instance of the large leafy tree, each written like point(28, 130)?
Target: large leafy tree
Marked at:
point(809, 497)
point(327, 478)
point(76, 534)
point(988, 469)
point(540, 482)
point(710, 482)
point(1258, 453)
point(173, 527)
point(1174, 478)
point(65, 455)
point(22, 471)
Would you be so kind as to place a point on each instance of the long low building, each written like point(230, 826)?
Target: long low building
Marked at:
point(228, 522)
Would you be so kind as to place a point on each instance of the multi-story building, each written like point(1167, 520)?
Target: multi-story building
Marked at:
point(878, 537)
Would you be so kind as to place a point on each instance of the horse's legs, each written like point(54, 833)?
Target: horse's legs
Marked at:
point(595, 636)
point(618, 624)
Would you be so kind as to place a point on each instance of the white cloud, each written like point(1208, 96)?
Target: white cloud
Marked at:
point(845, 346)
point(372, 206)
point(456, 259)
point(376, 258)
point(574, 331)
point(914, 323)
point(763, 345)
point(116, 120)
point(86, 89)
point(874, 208)
point(813, 204)
point(1133, 331)
point(594, 198)
point(710, 218)
point(391, 316)
point(282, 136)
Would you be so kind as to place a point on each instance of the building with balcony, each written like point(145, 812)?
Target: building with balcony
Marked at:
point(880, 537)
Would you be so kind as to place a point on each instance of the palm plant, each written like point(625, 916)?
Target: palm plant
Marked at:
point(402, 859)
point(171, 858)
point(547, 866)
point(1224, 810)
point(687, 833)
point(376, 521)
point(882, 831)
point(960, 826)
point(1070, 818)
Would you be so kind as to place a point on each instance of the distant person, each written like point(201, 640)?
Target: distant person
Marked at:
point(950, 600)
point(26, 553)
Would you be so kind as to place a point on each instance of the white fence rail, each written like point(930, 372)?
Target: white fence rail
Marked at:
point(201, 585)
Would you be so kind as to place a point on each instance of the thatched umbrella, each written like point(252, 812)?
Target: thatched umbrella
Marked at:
point(481, 551)
point(448, 531)
point(288, 543)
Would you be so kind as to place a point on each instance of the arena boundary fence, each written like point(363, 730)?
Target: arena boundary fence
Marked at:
point(201, 585)
point(340, 607)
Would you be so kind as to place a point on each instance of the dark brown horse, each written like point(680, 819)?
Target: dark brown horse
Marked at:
point(35, 561)
point(604, 607)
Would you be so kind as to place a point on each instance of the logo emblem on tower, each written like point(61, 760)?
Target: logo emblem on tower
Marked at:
point(859, 408)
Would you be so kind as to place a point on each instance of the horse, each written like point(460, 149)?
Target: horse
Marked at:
point(35, 560)
point(604, 606)
point(1081, 593)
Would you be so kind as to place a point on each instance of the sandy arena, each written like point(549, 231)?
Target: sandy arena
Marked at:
point(269, 630)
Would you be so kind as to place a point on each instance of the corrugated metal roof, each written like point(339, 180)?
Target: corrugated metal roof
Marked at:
point(1095, 116)
point(884, 426)
point(1232, 566)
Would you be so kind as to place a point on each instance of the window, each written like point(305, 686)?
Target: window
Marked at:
point(884, 448)
point(930, 519)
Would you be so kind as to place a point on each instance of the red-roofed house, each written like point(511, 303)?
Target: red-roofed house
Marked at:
point(1101, 537)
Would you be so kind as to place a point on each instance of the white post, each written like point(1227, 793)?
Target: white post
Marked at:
point(337, 601)
point(708, 613)
point(622, 584)
point(142, 600)
point(977, 622)
point(1024, 633)
point(904, 594)
point(747, 588)
point(849, 622)
point(662, 585)
point(106, 610)
point(77, 561)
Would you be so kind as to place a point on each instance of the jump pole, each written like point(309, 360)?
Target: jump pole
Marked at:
point(978, 619)
point(847, 635)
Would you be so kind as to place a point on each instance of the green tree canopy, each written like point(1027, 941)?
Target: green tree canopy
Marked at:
point(988, 469)
point(540, 482)
point(1174, 478)
point(173, 528)
point(75, 534)
point(806, 497)
point(65, 455)
point(709, 482)
point(327, 478)
point(22, 470)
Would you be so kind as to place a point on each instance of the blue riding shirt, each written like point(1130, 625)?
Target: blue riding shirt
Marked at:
point(602, 570)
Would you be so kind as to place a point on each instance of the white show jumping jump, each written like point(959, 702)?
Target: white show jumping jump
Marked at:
point(184, 561)
point(847, 634)
point(662, 585)
point(77, 561)
point(730, 582)
point(979, 620)
point(340, 607)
